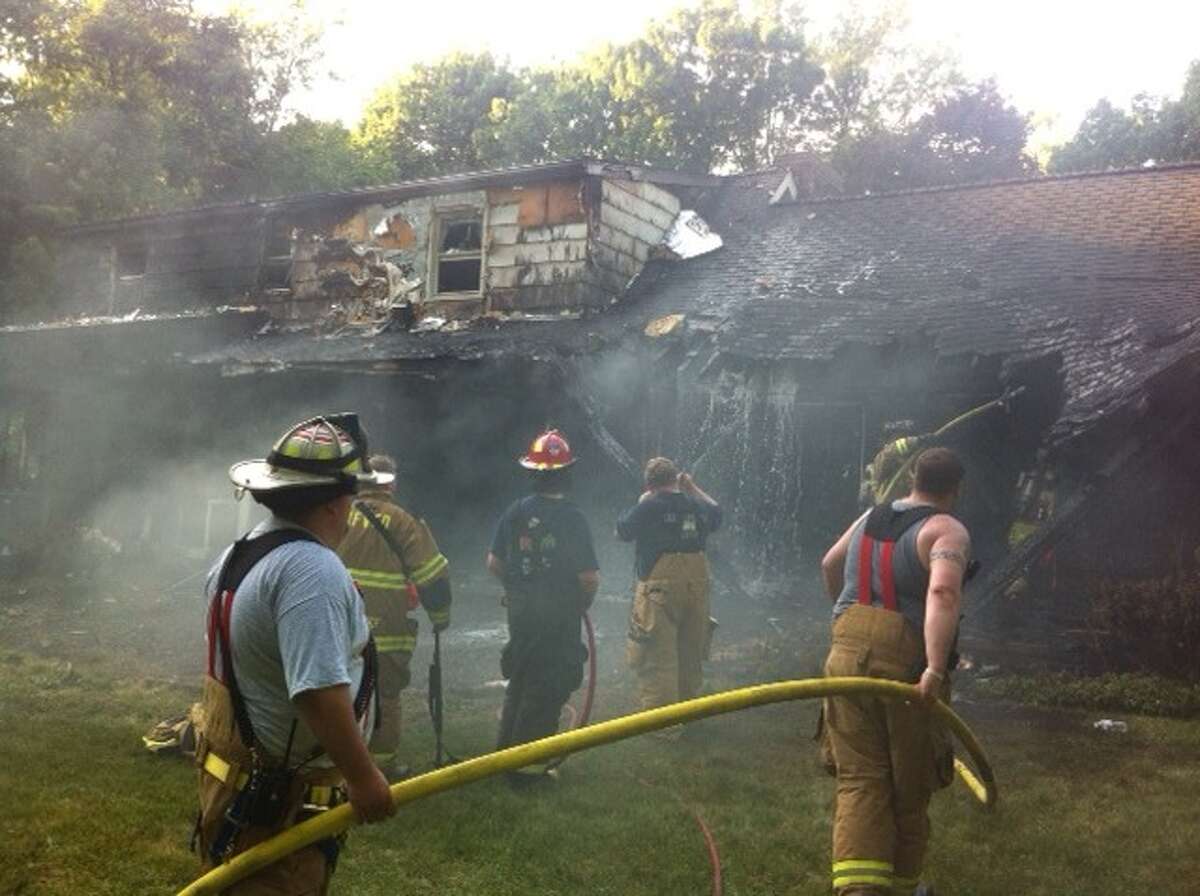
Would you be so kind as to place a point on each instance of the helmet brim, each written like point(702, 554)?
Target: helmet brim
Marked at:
point(260, 476)
point(530, 464)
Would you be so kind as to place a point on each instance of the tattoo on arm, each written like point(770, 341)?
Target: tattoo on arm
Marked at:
point(951, 554)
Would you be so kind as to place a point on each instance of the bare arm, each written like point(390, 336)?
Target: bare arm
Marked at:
point(329, 712)
point(944, 546)
point(833, 564)
point(688, 484)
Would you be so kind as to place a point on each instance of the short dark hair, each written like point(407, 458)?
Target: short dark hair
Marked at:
point(294, 503)
point(381, 463)
point(937, 472)
point(551, 482)
point(660, 472)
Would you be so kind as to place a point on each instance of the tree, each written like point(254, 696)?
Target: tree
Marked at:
point(112, 107)
point(306, 155)
point(890, 117)
point(1153, 129)
point(437, 118)
point(706, 88)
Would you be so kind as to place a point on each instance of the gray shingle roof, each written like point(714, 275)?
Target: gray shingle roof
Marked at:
point(1102, 269)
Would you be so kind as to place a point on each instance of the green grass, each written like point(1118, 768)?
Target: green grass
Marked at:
point(1115, 692)
point(1081, 812)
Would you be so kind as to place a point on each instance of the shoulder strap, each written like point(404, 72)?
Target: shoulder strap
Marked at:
point(243, 557)
point(377, 524)
point(885, 526)
point(248, 551)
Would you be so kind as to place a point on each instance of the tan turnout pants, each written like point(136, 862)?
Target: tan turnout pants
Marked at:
point(305, 872)
point(394, 676)
point(669, 630)
point(889, 757)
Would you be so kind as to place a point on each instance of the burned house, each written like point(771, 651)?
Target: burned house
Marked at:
point(760, 328)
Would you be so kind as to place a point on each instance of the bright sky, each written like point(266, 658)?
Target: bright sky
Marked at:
point(1053, 58)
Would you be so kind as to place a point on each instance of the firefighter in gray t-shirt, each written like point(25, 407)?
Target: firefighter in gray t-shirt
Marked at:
point(289, 696)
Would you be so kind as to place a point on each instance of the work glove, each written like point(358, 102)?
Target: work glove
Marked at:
point(440, 619)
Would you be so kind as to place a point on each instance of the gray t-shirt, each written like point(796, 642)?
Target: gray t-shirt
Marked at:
point(298, 624)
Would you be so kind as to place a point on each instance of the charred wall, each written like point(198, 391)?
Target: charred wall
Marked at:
point(781, 445)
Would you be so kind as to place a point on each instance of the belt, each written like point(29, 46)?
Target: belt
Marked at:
point(316, 796)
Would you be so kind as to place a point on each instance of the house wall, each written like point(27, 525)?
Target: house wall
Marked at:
point(188, 264)
point(537, 255)
point(633, 217)
point(560, 245)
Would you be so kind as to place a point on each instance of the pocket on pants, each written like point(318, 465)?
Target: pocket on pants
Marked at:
point(640, 639)
point(642, 623)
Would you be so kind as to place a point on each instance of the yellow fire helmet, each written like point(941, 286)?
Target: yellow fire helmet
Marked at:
point(327, 450)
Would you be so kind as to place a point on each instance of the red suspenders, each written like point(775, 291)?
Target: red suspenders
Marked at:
point(887, 574)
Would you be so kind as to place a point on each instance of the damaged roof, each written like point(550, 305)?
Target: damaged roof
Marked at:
point(1102, 270)
point(390, 193)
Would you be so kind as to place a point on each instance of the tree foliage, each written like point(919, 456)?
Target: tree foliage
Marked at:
point(1153, 129)
point(891, 117)
point(111, 107)
point(707, 88)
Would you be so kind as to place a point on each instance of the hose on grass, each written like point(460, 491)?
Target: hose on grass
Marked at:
point(710, 842)
point(335, 821)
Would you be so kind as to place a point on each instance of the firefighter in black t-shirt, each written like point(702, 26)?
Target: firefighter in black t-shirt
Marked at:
point(669, 628)
point(543, 553)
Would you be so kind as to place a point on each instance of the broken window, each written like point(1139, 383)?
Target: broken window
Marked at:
point(131, 260)
point(460, 253)
point(277, 255)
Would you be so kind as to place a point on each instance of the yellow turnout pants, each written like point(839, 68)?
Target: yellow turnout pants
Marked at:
point(223, 765)
point(889, 758)
point(669, 630)
point(394, 676)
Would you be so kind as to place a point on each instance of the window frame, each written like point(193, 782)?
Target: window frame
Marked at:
point(441, 218)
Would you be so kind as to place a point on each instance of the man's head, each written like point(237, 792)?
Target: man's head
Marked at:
point(938, 474)
point(383, 463)
point(321, 508)
point(661, 473)
point(311, 474)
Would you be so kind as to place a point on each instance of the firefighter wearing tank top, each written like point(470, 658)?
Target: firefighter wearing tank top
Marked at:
point(896, 580)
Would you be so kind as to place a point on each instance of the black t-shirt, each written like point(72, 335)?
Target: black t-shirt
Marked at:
point(667, 523)
point(544, 544)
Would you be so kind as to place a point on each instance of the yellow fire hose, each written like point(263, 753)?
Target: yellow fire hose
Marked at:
point(957, 421)
point(335, 821)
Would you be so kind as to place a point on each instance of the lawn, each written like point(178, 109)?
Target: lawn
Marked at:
point(1081, 812)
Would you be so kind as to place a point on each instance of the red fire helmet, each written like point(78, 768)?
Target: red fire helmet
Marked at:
point(549, 451)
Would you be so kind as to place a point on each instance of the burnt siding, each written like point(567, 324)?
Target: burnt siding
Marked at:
point(631, 220)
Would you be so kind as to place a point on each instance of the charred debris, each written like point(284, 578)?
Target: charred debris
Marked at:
point(760, 328)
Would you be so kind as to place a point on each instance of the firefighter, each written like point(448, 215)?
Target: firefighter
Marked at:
point(1036, 500)
point(396, 569)
point(896, 578)
point(543, 553)
point(881, 484)
point(888, 476)
point(669, 626)
point(289, 698)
